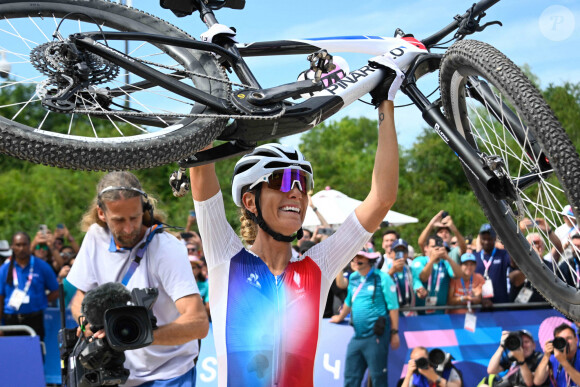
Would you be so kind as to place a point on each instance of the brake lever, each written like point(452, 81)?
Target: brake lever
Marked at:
point(483, 27)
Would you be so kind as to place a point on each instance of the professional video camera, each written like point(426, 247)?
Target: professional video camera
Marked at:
point(128, 322)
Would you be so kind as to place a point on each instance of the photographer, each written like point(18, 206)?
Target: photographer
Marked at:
point(420, 372)
point(124, 244)
point(516, 354)
point(560, 362)
point(375, 316)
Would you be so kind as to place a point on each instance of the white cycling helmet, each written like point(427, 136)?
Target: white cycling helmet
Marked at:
point(263, 160)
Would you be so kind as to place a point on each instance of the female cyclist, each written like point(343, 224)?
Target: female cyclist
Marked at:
point(266, 302)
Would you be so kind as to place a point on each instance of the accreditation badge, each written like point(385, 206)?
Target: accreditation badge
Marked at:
point(487, 289)
point(524, 295)
point(470, 322)
point(17, 299)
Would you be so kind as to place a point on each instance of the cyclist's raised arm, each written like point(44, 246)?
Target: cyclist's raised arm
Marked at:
point(385, 179)
point(204, 181)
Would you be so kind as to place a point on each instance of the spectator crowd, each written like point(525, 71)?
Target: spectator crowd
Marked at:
point(445, 272)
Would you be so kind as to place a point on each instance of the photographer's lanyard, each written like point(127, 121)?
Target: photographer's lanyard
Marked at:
point(140, 252)
point(363, 280)
point(438, 283)
point(487, 263)
point(28, 281)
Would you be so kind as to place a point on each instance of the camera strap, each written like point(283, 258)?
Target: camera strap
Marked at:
point(156, 228)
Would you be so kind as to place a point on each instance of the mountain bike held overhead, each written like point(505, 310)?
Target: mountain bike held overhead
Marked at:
point(75, 107)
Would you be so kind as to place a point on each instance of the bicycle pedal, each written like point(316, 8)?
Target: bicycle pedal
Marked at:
point(179, 183)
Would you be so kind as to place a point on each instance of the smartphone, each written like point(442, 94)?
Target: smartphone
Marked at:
point(444, 215)
point(399, 254)
point(191, 213)
point(325, 231)
point(43, 228)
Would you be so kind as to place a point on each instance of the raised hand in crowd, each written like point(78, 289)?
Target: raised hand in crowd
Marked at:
point(540, 224)
point(443, 224)
point(398, 265)
point(43, 248)
point(61, 231)
point(191, 220)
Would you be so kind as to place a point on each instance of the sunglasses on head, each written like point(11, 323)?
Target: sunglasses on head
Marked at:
point(42, 247)
point(284, 180)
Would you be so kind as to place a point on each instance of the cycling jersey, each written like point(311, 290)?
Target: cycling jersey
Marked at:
point(265, 326)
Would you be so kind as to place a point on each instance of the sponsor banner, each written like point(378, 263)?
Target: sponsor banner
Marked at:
point(471, 350)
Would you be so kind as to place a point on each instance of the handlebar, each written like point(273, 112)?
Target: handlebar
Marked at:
point(477, 9)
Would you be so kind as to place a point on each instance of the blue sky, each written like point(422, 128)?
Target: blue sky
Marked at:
point(542, 33)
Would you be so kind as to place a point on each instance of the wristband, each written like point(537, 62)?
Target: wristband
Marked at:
point(394, 331)
point(314, 209)
point(520, 362)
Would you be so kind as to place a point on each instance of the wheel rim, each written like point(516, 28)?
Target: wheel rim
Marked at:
point(544, 199)
point(19, 37)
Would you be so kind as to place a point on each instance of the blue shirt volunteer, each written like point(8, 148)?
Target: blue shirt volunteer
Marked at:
point(498, 263)
point(438, 283)
point(370, 297)
point(42, 277)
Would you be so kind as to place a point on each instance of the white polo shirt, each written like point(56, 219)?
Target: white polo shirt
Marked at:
point(164, 266)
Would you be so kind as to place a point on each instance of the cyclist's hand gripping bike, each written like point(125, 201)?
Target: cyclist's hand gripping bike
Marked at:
point(67, 100)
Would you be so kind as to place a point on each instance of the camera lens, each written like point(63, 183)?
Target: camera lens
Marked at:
point(422, 363)
point(436, 356)
point(560, 343)
point(513, 341)
point(126, 330)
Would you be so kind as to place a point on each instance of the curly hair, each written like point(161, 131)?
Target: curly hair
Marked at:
point(248, 228)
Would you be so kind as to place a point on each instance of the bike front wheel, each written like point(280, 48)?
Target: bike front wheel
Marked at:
point(505, 119)
point(116, 120)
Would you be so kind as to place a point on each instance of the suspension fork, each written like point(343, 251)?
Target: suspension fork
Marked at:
point(467, 155)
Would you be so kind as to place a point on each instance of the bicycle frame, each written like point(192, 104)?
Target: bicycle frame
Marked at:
point(242, 135)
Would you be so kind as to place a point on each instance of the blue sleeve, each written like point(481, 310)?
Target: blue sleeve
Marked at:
point(50, 281)
point(3, 275)
point(390, 292)
point(416, 267)
point(348, 299)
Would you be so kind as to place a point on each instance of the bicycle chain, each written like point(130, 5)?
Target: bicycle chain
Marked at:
point(227, 82)
point(48, 59)
point(167, 115)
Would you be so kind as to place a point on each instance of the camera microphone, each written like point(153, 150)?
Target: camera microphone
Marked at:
point(98, 300)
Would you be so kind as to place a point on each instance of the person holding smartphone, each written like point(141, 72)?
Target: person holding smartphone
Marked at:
point(397, 265)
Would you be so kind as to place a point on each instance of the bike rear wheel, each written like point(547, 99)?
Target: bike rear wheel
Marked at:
point(500, 113)
point(126, 127)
